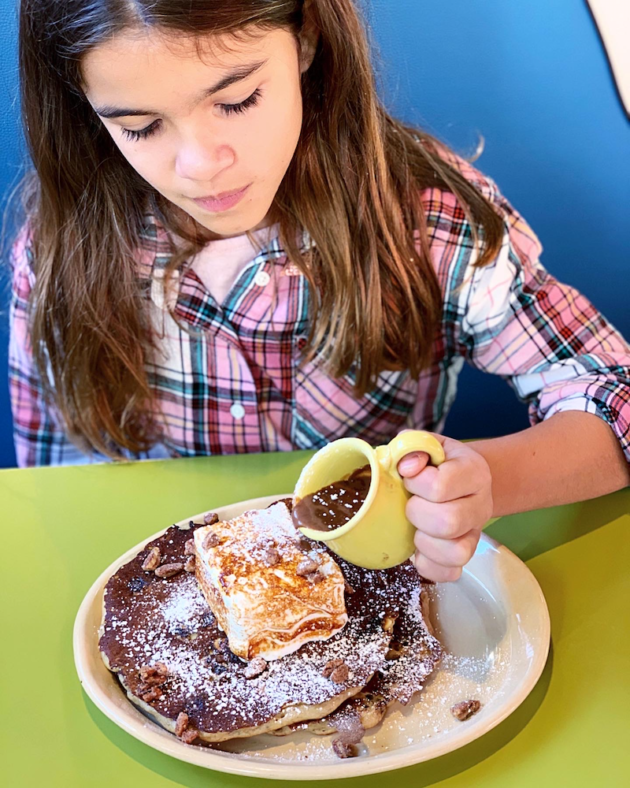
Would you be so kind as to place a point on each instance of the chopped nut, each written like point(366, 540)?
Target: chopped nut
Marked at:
point(189, 735)
point(340, 674)
point(169, 570)
point(211, 540)
point(343, 750)
point(181, 723)
point(348, 587)
point(315, 577)
point(465, 710)
point(306, 567)
point(154, 674)
point(210, 518)
point(330, 666)
point(152, 561)
point(257, 666)
point(153, 694)
point(189, 547)
point(189, 566)
point(271, 556)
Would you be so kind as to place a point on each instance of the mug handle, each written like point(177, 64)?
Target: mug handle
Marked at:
point(407, 442)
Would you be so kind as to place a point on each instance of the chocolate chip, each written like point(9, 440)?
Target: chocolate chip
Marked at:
point(196, 705)
point(217, 667)
point(207, 620)
point(305, 544)
point(136, 584)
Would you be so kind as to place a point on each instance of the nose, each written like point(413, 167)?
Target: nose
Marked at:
point(200, 158)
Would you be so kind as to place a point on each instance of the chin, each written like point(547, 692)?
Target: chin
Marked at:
point(232, 225)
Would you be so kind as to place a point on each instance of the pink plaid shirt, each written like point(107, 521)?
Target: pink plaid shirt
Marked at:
point(227, 379)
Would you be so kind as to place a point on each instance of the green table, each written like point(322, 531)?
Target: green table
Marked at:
point(62, 526)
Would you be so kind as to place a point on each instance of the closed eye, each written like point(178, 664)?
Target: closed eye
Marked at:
point(231, 109)
point(142, 134)
point(228, 109)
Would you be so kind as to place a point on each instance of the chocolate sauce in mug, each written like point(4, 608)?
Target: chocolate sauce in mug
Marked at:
point(334, 505)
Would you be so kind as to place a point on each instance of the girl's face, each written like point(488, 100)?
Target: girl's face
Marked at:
point(201, 119)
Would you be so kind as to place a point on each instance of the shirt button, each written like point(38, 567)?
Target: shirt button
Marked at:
point(262, 279)
point(237, 411)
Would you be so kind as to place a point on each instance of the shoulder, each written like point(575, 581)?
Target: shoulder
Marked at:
point(449, 225)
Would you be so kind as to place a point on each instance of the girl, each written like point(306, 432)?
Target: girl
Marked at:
point(231, 246)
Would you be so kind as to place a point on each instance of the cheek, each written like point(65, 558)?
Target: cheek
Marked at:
point(275, 136)
point(149, 164)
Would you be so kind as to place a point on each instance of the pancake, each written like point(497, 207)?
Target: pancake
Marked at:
point(161, 639)
point(413, 655)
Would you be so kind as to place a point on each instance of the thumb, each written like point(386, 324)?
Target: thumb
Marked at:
point(412, 464)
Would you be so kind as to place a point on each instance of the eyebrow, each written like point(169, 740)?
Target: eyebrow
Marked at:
point(236, 75)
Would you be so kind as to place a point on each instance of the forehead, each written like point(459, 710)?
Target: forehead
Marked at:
point(134, 64)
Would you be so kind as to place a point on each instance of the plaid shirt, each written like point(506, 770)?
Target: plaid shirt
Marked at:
point(228, 378)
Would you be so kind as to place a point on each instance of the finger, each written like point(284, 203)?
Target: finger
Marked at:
point(447, 552)
point(412, 464)
point(446, 520)
point(463, 473)
point(436, 572)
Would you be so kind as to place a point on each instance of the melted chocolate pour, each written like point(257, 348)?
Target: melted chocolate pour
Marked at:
point(334, 505)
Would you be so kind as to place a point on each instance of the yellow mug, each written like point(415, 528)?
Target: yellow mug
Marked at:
point(379, 535)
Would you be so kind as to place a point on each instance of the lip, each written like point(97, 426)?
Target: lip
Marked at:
point(223, 201)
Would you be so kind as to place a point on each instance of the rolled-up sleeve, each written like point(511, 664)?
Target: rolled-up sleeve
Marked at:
point(545, 338)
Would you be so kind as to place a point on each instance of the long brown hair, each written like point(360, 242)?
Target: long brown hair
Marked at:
point(354, 184)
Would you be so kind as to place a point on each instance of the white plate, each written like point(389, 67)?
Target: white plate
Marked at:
point(493, 622)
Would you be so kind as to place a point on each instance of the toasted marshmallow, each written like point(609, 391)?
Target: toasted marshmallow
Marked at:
point(269, 595)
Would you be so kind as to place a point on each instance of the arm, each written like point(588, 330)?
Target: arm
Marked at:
point(513, 319)
point(571, 457)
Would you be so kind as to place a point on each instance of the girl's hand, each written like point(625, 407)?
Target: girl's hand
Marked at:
point(449, 507)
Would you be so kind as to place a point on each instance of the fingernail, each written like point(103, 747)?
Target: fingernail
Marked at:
point(411, 463)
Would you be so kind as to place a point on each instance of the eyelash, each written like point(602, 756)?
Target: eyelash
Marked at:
point(229, 109)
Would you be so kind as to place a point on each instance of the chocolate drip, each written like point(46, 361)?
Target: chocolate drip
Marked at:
point(334, 505)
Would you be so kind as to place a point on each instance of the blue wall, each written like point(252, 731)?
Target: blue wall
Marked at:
point(533, 79)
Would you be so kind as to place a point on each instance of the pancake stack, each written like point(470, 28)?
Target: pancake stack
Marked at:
point(164, 643)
